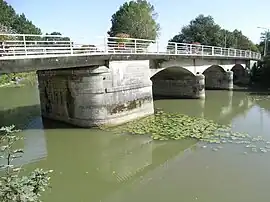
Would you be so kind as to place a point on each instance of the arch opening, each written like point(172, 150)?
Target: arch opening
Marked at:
point(216, 78)
point(240, 75)
point(172, 73)
point(176, 82)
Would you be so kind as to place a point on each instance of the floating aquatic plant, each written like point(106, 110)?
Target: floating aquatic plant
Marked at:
point(175, 126)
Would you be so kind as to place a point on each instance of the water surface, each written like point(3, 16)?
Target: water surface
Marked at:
point(92, 165)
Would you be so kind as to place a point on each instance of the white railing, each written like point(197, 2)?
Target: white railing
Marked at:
point(26, 45)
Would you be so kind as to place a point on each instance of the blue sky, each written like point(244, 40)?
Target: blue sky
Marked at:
point(87, 20)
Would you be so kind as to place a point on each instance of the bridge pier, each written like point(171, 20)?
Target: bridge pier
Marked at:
point(96, 95)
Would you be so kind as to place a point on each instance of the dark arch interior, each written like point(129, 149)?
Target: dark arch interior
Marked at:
point(173, 82)
point(238, 71)
point(172, 73)
point(214, 68)
point(214, 77)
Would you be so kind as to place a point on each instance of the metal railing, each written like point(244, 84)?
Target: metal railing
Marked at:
point(27, 45)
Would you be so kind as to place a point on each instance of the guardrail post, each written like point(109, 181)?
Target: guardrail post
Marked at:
point(213, 51)
point(135, 45)
point(202, 50)
point(234, 52)
point(221, 51)
point(175, 48)
point(71, 47)
point(24, 45)
point(157, 46)
point(106, 44)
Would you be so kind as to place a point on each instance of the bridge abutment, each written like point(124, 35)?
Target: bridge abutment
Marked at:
point(97, 95)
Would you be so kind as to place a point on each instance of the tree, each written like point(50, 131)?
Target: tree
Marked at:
point(57, 38)
point(137, 19)
point(265, 36)
point(17, 22)
point(204, 30)
point(22, 25)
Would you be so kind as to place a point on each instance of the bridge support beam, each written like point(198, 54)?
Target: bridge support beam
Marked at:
point(187, 87)
point(97, 95)
point(219, 80)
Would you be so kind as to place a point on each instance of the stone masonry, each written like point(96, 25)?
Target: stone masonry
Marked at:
point(97, 95)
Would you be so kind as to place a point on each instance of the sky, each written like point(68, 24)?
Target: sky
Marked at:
point(88, 21)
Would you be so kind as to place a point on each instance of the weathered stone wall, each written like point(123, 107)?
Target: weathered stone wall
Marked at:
point(189, 86)
point(91, 96)
point(217, 79)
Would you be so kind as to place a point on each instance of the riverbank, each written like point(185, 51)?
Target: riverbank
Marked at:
point(18, 79)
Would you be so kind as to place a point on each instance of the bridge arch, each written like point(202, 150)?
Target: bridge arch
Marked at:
point(171, 73)
point(216, 77)
point(179, 82)
point(240, 74)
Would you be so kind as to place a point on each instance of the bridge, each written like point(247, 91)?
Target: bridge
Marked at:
point(114, 80)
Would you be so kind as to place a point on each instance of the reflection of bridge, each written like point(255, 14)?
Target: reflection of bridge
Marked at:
point(101, 163)
point(113, 161)
point(221, 106)
point(226, 108)
point(111, 82)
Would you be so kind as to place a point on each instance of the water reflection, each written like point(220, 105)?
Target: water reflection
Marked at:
point(101, 163)
point(220, 106)
point(92, 165)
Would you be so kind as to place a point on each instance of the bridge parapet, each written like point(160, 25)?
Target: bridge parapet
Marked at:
point(27, 45)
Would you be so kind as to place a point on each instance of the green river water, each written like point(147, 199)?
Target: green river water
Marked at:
point(95, 166)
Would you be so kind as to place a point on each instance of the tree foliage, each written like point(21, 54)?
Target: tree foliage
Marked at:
point(17, 22)
point(136, 19)
point(265, 36)
point(13, 187)
point(204, 30)
point(57, 40)
point(58, 37)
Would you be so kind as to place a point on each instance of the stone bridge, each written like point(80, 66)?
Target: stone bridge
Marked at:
point(113, 85)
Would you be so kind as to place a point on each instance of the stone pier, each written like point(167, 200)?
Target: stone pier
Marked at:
point(95, 95)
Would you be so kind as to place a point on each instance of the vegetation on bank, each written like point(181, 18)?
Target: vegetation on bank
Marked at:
point(13, 186)
point(15, 79)
point(260, 73)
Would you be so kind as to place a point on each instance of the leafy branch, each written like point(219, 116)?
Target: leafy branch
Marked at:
point(13, 187)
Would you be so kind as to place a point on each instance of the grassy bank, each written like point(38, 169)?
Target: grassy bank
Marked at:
point(24, 78)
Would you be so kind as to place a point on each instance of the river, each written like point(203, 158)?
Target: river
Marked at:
point(92, 165)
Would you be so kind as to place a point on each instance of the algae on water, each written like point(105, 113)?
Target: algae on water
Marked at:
point(175, 126)
point(166, 126)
